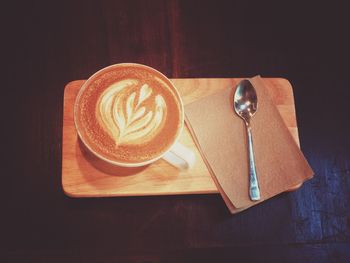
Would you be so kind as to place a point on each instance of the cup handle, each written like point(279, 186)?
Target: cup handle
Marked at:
point(180, 156)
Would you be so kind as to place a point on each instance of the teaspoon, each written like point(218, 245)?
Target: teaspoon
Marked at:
point(245, 105)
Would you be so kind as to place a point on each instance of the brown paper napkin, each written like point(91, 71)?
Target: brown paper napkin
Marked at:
point(221, 138)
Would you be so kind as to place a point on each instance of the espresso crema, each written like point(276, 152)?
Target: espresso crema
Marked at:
point(128, 114)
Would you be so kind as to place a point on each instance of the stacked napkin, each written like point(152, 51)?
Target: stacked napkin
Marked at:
point(221, 138)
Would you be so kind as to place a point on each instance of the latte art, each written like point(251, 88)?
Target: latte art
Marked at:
point(130, 112)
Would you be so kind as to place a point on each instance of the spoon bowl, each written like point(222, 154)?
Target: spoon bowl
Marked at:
point(245, 100)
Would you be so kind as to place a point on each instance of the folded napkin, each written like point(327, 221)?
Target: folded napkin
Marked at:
point(221, 137)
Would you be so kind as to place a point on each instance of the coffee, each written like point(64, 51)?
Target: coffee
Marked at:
point(128, 113)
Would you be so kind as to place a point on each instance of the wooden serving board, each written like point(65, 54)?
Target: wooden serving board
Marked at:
point(83, 175)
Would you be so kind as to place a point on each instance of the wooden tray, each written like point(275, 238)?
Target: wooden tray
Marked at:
point(83, 175)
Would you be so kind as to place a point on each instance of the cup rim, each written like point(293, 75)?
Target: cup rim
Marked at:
point(118, 163)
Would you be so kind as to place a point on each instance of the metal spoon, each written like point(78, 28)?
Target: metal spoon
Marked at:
point(245, 105)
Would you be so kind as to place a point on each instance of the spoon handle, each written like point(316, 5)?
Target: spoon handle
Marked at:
point(254, 190)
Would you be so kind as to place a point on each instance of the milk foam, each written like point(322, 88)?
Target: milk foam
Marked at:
point(130, 117)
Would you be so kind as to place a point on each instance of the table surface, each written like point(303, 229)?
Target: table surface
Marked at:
point(46, 45)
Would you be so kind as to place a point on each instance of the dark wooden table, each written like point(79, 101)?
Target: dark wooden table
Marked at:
point(45, 45)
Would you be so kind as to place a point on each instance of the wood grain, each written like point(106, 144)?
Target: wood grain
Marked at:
point(83, 175)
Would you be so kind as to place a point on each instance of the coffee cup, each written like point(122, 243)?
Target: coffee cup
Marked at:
point(131, 115)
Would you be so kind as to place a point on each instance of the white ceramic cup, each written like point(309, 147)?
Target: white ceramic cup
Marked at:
point(177, 154)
